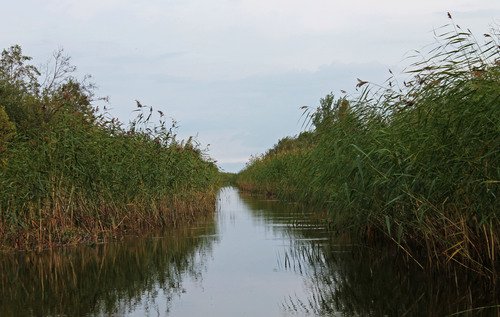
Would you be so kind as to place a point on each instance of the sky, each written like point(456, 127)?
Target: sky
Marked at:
point(233, 73)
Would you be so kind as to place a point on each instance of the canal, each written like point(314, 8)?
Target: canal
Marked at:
point(254, 257)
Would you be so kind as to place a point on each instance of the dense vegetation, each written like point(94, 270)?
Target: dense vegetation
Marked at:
point(70, 173)
point(415, 163)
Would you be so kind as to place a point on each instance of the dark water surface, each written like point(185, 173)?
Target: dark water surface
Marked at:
point(255, 258)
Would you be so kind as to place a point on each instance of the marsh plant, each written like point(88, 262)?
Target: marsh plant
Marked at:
point(414, 162)
point(70, 172)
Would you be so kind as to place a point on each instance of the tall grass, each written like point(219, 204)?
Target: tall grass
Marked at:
point(415, 163)
point(71, 173)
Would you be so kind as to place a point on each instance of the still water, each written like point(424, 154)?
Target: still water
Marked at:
point(253, 258)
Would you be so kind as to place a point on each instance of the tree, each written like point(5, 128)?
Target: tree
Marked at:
point(15, 70)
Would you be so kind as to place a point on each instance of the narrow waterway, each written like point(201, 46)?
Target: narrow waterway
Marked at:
point(253, 258)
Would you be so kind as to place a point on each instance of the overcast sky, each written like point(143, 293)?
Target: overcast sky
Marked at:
point(233, 72)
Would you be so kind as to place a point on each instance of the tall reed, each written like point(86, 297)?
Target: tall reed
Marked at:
point(415, 163)
point(71, 173)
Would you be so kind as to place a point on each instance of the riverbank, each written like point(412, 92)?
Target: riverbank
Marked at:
point(71, 173)
point(413, 165)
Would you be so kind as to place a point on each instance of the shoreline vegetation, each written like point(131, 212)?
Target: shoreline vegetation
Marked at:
point(71, 173)
point(412, 165)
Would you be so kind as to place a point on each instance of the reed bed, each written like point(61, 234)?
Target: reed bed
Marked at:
point(414, 162)
point(71, 173)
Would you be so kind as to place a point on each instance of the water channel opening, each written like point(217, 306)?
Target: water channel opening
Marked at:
point(254, 257)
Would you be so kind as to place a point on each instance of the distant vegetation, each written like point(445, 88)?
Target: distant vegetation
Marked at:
point(228, 178)
point(71, 173)
point(415, 163)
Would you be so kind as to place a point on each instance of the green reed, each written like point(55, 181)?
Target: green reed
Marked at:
point(415, 162)
point(70, 173)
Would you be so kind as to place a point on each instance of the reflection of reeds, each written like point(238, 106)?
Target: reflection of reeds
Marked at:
point(415, 164)
point(69, 173)
point(347, 279)
point(350, 280)
point(361, 282)
point(104, 279)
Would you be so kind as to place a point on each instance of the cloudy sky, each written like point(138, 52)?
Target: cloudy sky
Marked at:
point(233, 72)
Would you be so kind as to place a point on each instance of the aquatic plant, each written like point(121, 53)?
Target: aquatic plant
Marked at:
point(414, 162)
point(72, 173)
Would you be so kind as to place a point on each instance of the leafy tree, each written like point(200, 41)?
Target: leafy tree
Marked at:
point(15, 70)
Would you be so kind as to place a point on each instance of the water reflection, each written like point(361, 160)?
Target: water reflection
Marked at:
point(111, 279)
point(352, 280)
point(254, 258)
